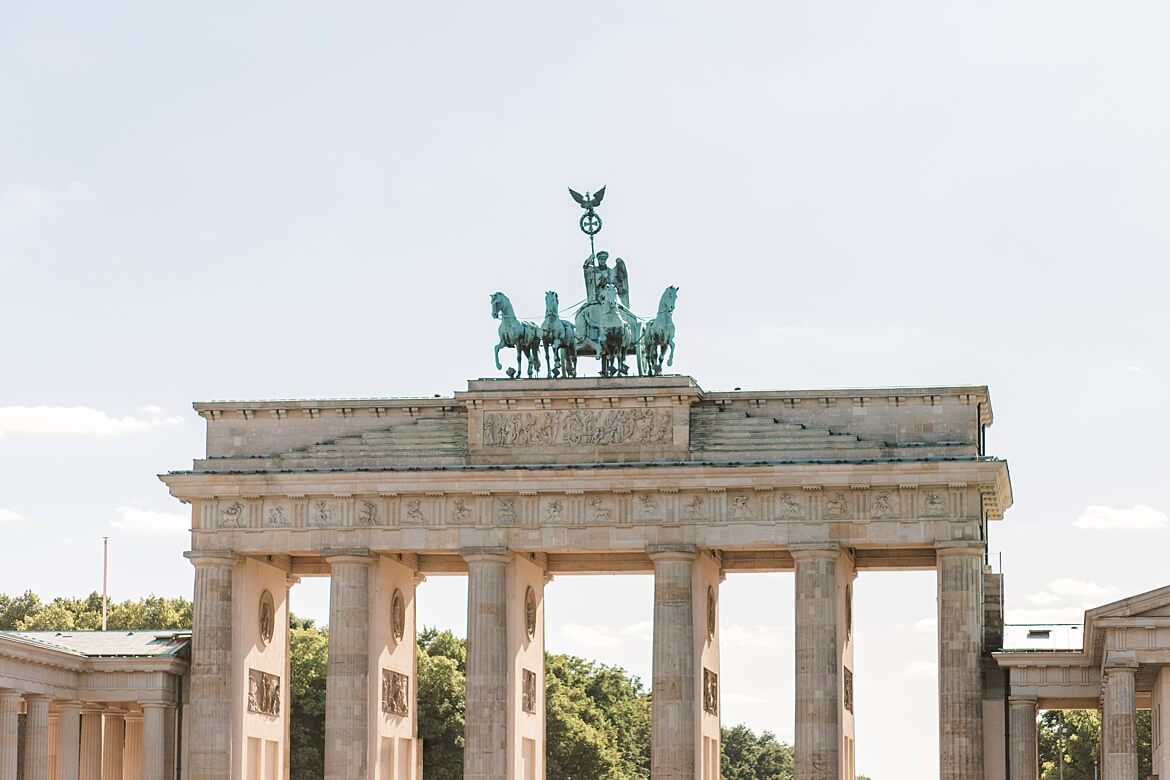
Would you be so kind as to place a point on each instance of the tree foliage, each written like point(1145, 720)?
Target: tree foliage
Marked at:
point(308, 662)
point(747, 756)
point(1075, 736)
point(27, 612)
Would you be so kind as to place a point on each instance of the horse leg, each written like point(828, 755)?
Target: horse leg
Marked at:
point(498, 348)
point(670, 361)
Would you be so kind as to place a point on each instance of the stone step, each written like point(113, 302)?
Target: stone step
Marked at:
point(769, 433)
point(768, 453)
point(774, 445)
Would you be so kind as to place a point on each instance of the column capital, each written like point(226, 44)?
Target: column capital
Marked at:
point(1031, 701)
point(807, 552)
point(672, 552)
point(485, 554)
point(69, 705)
point(154, 705)
point(38, 697)
point(8, 694)
point(210, 558)
point(347, 555)
point(91, 708)
point(967, 548)
point(132, 715)
point(1120, 661)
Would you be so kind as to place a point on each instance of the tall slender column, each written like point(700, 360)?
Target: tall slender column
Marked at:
point(54, 739)
point(210, 711)
point(485, 740)
point(818, 685)
point(154, 740)
point(91, 743)
point(132, 752)
point(9, 734)
point(673, 689)
point(113, 745)
point(960, 649)
point(36, 738)
point(69, 740)
point(1121, 761)
point(347, 679)
point(1023, 759)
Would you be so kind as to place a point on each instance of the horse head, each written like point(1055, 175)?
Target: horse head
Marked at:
point(667, 301)
point(552, 303)
point(500, 305)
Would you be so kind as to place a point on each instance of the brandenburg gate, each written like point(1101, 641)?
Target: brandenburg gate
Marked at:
point(515, 481)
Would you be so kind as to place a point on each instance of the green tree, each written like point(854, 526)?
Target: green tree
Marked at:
point(442, 658)
point(1079, 733)
point(308, 663)
point(15, 610)
point(746, 756)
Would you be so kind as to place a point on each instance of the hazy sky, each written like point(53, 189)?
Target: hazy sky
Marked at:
point(287, 200)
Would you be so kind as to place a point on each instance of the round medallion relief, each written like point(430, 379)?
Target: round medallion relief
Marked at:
point(267, 617)
point(397, 616)
point(710, 613)
point(530, 612)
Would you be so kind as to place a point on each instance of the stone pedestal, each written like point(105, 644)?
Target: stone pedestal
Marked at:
point(1023, 759)
point(673, 748)
point(113, 745)
point(347, 683)
point(9, 734)
point(210, 710)
point(960, 648)
point(154, 741)
point(485, 754)
point(36, 738)
point(68, 747)
point(1119, 747)
point(90, 757)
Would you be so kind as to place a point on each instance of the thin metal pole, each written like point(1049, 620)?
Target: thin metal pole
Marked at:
point(105, 579)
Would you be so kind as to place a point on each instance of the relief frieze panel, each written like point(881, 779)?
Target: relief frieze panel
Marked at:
point(578, 428)
point(263, 693)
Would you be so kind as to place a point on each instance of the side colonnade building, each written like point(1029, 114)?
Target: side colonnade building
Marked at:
point(514, 482)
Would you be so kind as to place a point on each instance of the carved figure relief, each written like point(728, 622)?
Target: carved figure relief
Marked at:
point(263, 693)
point(577, 428)
point(395, 693)
point(414, 512)
point(397, 615)
point(647, 507)
point(710, 692)
point(711, 624)
point(506, 510)
point(837, 506)
point(936, 504)
point(323, 514)
point(847, 694)
point(368, 514)
point(884, 505)
point(601, 513)
point(530, 612)
point(694, 508)
point(789, 508)
point(528, 691)
point(276, 518)
point(461, 515)
point(267, 617)
point(554, 511)
point(232, 515)
point(741, 508)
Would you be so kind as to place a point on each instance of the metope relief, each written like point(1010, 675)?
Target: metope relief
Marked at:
point(837, 506)
point(367, 513)
point(788, 507)
point(710, 692)
point(571, 428)
point(741, 508)
point(414, 512)
point(601, 512)
point(646, 507)
point(885, 504)
point(263, 693)
point(528, 691)
point(395, 693)
point(231, 515)
point(278, 516)
point(935, 504)
point(460, 512)
point(506, 510)
point(693, 509)
point(322, 514)
point(554, 511)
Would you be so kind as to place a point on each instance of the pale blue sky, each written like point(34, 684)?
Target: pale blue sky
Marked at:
point(299, 200)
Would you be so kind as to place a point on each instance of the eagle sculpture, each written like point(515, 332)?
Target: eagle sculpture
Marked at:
point(588, 203)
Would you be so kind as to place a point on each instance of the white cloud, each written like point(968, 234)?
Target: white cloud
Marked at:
point(922, 669)
point(1068, 587)
point(643, 630)
point(928, 625)
point(1044, 599)
point(1136, 369)
point(1137, 518)
point(758, 636)
point(8, 517)
point(591, 636)
point(1070, 614)
point(77, 421)
point(145, 521)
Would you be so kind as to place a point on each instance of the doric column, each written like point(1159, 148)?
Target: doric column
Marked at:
point(36, 737)
point(1120, 750)
point(132, 752)
point(960, 649)
point(485, 741)
point(347, 680)
point(1023, 759)
point(673, 689)
point(818, 686)
point(210, 710)
point(154, 740)
point(91, 743)
point(69, 740)
point(9, 734)
point(113, 745)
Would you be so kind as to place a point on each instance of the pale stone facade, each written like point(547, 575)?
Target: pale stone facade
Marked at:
point(513, 482)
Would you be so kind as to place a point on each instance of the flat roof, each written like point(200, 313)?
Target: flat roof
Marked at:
point(108, 644)
point(1043, 637)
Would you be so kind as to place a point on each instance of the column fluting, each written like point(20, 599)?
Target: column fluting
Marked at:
point(1121, 760)
point(1023, 758)
point(485, 727)
point(36, 737)
point(154, 740)
point(90, 758)
point(673, 689)
point(347, 679)
point(818, 678)
point(69, 740)
point(132, 751)
point(9, 733)
point(960, 651)
point(210, 710)
point(113, 745)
